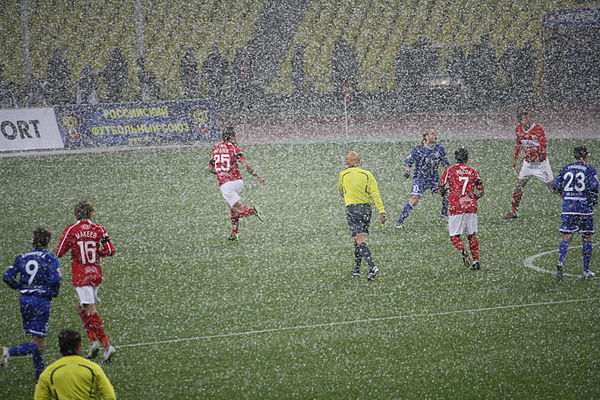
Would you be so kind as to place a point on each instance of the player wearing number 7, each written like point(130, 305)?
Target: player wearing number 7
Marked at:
point(224, 162)
point(36, 275)
point(87, 242)
point(465, 188)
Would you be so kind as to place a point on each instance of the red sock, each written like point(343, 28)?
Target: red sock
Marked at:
point(235, 222)
point(98, 328)
point(246, 211)
point(474, 246)
point(456, 242)
point(516, 201)
point(86, 325)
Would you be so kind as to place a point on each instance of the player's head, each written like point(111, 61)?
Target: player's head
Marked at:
point(69, 342)
point(228, 134)
point(429, 136)
point(524, 118)
point(83, 210)
point(352, 159)
point(581, 153)
point(41, 238)
point(461, 155)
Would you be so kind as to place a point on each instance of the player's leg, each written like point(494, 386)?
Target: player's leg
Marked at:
point(357, 261)
point(412, 203)
point(471, 229)
point(516, 199)
point(38, 355)
point(360, 228)
point(456, 227)
point(587, 230)
point(35, 312)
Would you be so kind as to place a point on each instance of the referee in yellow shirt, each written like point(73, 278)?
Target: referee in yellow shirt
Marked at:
point(359, 188)
point(72, 376)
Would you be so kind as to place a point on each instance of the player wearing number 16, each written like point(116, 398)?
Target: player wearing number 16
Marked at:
point(87, 242)
point(36, 275)
point(464, 189)
point(224, 162)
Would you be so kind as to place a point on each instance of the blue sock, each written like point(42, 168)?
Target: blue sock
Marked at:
point(405, 211)
point(23, 349)
point(562, 251)
point(38, 362)
point(586, 253)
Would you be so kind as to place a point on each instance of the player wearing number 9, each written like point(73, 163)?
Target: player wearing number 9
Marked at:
point(87, 242)
point(36, 275)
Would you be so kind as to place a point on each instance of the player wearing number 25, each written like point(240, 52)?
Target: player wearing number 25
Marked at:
point(36, 275)
point(224, 162)
point(87, 242)
point(464, 189)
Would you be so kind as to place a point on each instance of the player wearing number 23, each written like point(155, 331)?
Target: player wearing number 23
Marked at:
point(577, 184)
point(36, 275)
point(87, 242)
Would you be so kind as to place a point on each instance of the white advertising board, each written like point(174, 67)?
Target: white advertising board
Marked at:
point(28, 129)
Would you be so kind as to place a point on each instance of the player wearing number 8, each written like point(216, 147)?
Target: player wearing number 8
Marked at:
point(87, 242)
point(577, 184)
point(36, 275)
point(465, 188)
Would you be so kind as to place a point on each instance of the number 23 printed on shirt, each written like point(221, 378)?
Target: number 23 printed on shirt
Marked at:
point(579, 184)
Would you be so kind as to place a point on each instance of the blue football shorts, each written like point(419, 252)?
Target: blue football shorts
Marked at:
point(583, 224)
point(359, 218)
point(35, 312)
point(419, 186)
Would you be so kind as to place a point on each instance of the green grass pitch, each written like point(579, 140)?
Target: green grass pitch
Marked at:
point(277, 315)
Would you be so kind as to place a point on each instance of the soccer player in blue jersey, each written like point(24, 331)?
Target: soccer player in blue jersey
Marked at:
point(577, 184)
point(36, 275)
point(426, 157)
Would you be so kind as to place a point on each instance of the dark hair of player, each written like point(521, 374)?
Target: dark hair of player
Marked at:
point(461, 155)
point(41, 238)
point(228, 133)
point(68, 340)
point(83, 210)
point(580, 152)
point(521, 114)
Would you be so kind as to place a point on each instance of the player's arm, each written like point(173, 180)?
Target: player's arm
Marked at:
point(479, 188)
point(10, 276)
point(543, 148)
point(55, 277)
point(340, 185)
point(63, 243)
point(443, 183)
point(373, 190)
point(211, 166)
point(107, 248)
point(251, 170)
point(105, 387)
point(408, 162)
point(557, 186)
point(42, 388)
point(517, 152)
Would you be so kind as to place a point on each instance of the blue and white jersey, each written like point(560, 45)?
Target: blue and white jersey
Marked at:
point(427, 160)
point(36, 273)
point(578, 185)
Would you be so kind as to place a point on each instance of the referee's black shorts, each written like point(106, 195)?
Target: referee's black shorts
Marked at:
point(359, 218)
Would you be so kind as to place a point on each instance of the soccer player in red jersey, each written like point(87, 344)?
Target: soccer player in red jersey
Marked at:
point(464, 187)
point(532, 140)
point(87, 242)
point(224, 162)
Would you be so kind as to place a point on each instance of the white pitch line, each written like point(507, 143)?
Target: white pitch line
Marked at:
point(528, 262)
point(357, 321)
